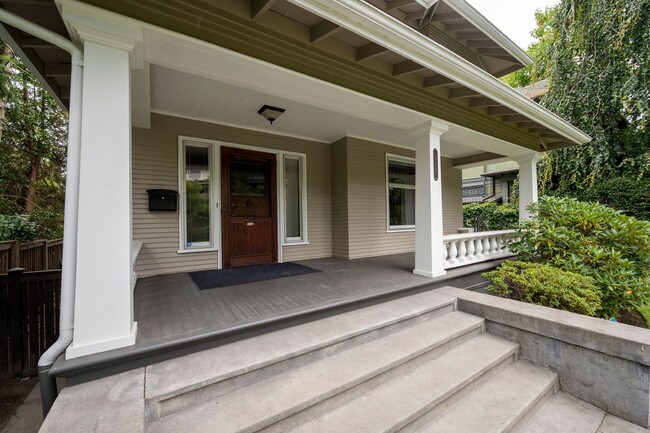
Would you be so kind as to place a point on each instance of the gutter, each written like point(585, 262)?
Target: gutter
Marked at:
point(69, 268)
point(383, 29)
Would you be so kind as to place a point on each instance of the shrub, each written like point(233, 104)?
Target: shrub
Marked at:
point(594, 241)
point(495, 217)
point(17, 227)
point(545, 285)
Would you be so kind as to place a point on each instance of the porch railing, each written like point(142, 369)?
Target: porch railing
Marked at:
point(467, 248)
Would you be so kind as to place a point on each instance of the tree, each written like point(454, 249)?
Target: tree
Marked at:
point(32, 146)
point(595, 55)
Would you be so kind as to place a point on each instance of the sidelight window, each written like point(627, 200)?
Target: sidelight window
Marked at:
point(400, 179)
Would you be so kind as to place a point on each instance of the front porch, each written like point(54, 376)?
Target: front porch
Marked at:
point(176, 318)
point(171, 308)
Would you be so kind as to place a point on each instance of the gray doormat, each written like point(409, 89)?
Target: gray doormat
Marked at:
point(247, 274)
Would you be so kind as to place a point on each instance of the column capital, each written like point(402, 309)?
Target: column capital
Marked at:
point(529, 157)
point(89, 24)
point(429, 127)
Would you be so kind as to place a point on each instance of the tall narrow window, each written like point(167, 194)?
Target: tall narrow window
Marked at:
point(197, 196)
point(294, 217)
point(401, 194)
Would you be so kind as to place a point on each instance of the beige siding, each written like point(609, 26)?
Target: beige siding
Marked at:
point(155, 165)
point(340, 245)
point(452, 196)
point(367, 201)
point(365, 186)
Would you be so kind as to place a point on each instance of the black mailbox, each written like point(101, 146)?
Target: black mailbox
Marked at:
point(163, 199)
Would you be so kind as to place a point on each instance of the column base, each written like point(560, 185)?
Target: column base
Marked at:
point(102, 346)
point(429, 274)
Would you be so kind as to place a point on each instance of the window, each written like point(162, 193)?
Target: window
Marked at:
point(196, 196)
point(401, 193)
point(295, 221)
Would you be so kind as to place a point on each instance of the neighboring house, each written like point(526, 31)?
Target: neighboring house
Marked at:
point(290, 130)
point(492, 182)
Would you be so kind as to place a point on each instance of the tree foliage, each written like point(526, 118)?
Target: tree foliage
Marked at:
point(596, 57)
point(32, 146)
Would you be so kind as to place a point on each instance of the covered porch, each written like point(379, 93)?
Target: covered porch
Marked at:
point(378, 118)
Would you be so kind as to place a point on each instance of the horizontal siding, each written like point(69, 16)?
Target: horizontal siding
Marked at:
point(452, 196)
point(340, 239)
point(155, 165)
point(367, 237)
point(367, 201)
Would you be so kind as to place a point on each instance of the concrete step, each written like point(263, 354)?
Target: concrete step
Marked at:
point(497, 405)
point(171, 386)
point(397, 403)
point(336, 378)
point(562, 413)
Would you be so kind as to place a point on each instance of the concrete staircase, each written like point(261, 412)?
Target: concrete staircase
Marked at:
point(413, 364)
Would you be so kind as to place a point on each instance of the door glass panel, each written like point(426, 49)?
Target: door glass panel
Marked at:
point(248, 178)
point(292, 198)
point(197, 195)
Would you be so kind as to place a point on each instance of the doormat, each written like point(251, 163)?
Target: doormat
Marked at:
point(247, 274)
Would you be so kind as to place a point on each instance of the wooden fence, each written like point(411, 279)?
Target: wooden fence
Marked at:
point(39, 255)
point(29, 318)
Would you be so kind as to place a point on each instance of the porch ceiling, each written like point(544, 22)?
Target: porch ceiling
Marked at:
point(179, 93)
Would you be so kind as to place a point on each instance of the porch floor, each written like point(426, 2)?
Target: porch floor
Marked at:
point(168, 307)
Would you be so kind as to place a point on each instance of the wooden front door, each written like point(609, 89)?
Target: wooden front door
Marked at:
point(248, 197)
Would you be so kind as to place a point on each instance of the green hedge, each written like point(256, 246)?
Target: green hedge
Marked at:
point(495, 217)
point(545, 285)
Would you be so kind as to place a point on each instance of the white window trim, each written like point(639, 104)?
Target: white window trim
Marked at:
point(304, 239)
point(389, 228)
point(215, 196)
point(215, 235)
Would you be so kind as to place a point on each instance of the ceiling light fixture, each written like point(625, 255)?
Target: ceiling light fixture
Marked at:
point(270, 113)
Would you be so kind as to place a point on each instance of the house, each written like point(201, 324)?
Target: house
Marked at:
point(209, 135)
point(492, 182)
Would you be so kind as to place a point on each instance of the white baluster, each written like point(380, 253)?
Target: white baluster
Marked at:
point(486, 247)
point(478, 244)
point(453, 252)
point(470, 250)
point(462, 251)
point(494, 247)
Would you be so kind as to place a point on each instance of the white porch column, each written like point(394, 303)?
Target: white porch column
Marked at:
point(527, 182)
point(428, 201)
point(103, 317)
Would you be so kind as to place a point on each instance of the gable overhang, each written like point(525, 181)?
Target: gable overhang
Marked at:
point(387, 31)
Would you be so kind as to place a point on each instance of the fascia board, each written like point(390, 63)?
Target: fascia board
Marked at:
point(479, 21)
point(379, 27)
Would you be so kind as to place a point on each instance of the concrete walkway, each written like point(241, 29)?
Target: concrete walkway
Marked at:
point(29, 417)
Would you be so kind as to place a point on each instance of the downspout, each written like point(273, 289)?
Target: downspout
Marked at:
point(69, 262)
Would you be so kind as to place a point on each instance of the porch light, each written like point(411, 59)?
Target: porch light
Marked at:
point(270, 113)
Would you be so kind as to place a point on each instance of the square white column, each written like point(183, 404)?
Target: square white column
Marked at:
point(103, 318)
point(527, 182)
point(429, 258)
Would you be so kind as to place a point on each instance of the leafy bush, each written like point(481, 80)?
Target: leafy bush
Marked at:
point(49, 224)
point(594, 241)
point(17, 227)
point(545, 285)
point(630, 196)
point(495, 217)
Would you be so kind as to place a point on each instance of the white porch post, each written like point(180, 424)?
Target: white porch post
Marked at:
point(527, 182)
point(428, 201)
point(104, 299)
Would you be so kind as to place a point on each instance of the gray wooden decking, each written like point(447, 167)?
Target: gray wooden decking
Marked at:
point(171, 306)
